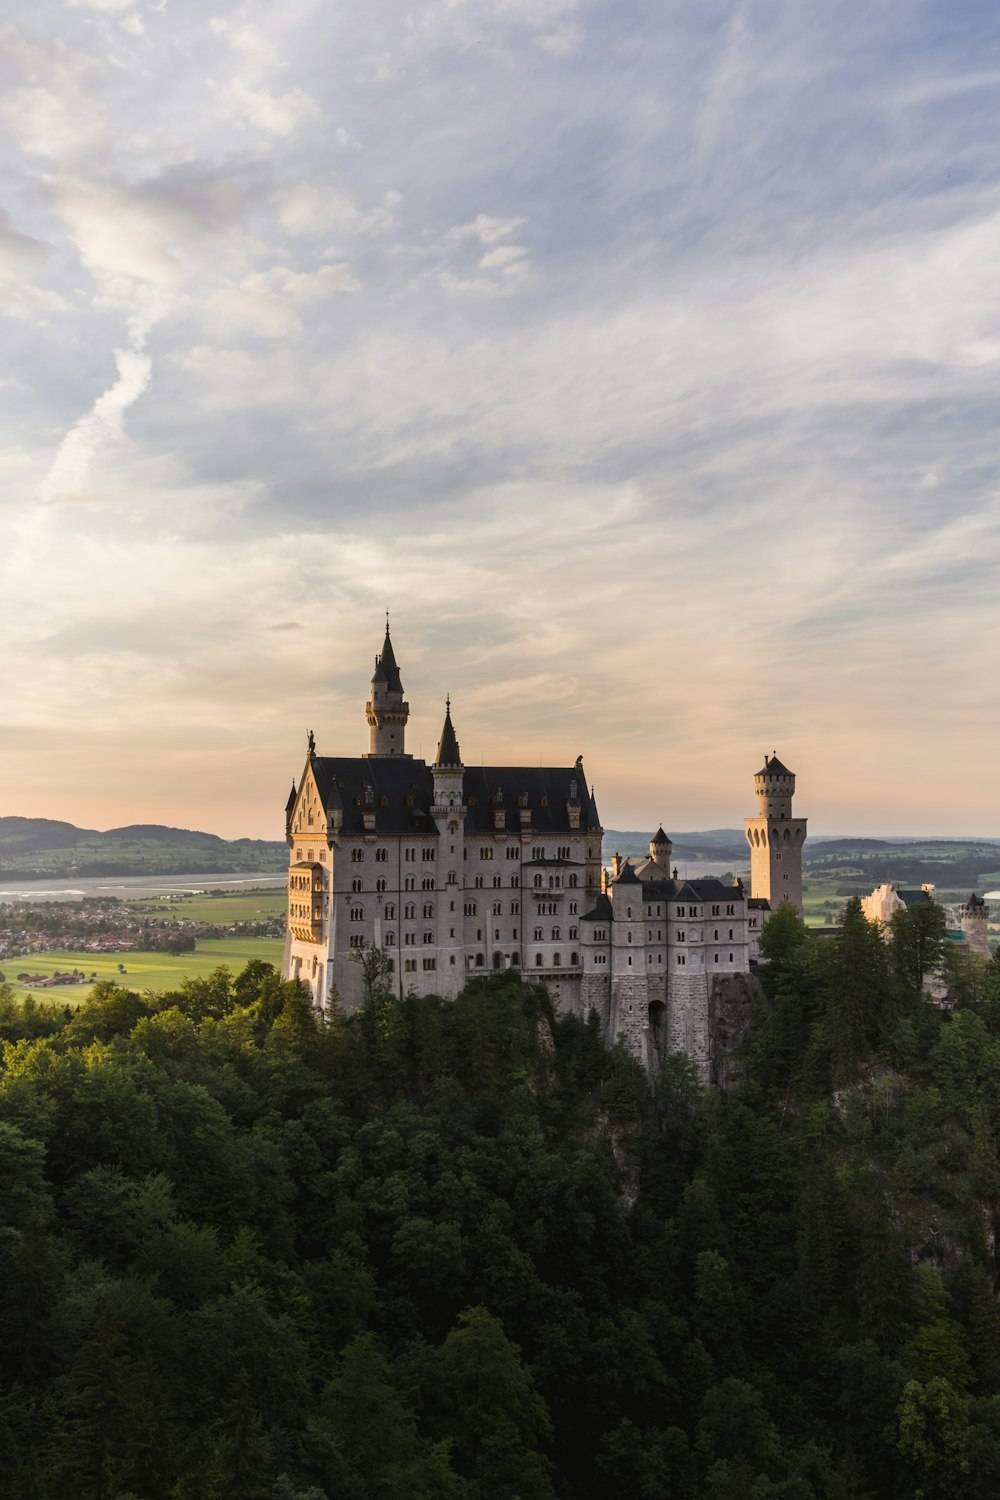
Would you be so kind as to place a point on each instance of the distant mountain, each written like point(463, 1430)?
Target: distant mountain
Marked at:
point(45, 848)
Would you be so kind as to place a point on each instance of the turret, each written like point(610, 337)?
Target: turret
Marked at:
point(974, 915)
point(775, 837)
point(660, 850)
point(386, 710)
point(775, 787)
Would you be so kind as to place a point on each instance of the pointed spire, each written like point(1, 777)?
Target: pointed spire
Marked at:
point(386, 663)
point(448, 753)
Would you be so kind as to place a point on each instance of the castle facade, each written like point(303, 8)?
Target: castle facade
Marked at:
point(455, 871)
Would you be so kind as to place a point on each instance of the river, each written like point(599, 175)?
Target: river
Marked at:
point(12, 889)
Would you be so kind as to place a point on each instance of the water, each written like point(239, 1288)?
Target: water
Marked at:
point(13, 889)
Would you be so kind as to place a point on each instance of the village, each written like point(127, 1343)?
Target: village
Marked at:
point(103, 925)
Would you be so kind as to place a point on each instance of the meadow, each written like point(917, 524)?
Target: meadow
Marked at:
point(144, 971)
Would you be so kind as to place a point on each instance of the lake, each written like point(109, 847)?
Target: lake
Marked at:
point(14, 889)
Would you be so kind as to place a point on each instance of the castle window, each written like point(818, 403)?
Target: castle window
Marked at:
point(357, 855)
point(381, 855)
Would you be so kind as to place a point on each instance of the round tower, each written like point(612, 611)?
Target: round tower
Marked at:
point(660, 850)
point(775, 837)
point(975, 915)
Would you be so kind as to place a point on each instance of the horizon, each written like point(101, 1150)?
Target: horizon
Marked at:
point(643, 363)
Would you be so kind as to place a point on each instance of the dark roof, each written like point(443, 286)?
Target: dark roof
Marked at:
point(659, 837)
point(408, 787)
point(448, 753)
point(773, 767)
point(602, 911)
point(386, 666)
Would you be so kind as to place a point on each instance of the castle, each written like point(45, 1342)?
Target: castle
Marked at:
point(457, 870)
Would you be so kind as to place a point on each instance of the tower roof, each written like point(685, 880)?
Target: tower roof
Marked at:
point(385, 665)
point(659, 837)
point(448, 753)
point(773, 767)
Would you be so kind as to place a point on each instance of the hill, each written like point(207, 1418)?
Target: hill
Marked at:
point(45, 848)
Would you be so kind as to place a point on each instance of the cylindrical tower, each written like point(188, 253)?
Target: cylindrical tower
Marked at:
point(775, 837)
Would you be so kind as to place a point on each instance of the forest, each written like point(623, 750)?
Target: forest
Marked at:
point(462, 1251)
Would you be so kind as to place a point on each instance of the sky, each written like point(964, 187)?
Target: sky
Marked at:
point(641, 359)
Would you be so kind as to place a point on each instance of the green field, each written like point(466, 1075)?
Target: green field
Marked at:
point(145, 971)
point(228, 906)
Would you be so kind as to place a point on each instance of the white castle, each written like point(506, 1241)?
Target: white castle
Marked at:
point(456, 871)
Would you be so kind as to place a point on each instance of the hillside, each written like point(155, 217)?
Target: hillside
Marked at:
point(45, 848)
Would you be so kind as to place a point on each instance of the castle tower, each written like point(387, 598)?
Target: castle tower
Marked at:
point(775, 838)
point(386, 710)
point(448, 810)
point(660, 851)
point(974, 915)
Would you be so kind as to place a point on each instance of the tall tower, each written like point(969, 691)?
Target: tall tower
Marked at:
point(974, 915)
point(775, 837)
point(386, 710)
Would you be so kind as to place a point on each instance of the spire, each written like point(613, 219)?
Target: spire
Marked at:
point(448, 753)
point(386, 663)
